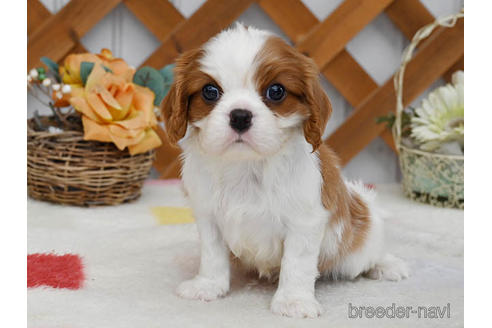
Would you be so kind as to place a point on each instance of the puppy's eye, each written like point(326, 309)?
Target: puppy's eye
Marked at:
point(275, 92)
point(210, 92)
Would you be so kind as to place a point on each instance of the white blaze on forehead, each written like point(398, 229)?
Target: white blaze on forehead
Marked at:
point(229, 56)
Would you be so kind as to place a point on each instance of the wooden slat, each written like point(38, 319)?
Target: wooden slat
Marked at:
point(78, 49)
point(293, 17)
point(159, 16)
point(353, 82)
point(37, 14)
point(172, 171)
point(166, 157)
point(209, 19)
point(409, 16)
point(387, 137)
point(350, 79)
point(331, 36)
point(82, 15)
point(458, 66)
point(60, 33)
point(435, 56)
point(55, 43)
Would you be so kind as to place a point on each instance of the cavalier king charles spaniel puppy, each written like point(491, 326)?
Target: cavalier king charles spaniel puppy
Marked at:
point(249, 112)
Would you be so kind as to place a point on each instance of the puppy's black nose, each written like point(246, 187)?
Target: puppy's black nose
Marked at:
point(240, 120)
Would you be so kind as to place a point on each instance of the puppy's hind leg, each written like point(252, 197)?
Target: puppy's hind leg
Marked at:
point(388, 268)
point(378, 264)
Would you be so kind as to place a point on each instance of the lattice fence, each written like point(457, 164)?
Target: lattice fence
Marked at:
point(441, 54)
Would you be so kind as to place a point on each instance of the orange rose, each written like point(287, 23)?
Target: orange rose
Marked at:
point(115, 110)
point(70, 71)
point(117, 65)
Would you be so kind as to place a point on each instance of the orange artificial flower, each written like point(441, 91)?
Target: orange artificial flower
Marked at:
point(70, 71)
point(117, 65)
point(115, 110)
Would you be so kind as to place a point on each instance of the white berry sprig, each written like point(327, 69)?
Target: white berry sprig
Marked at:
point(46, 89)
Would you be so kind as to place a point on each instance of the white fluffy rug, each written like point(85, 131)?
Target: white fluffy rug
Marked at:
point(132, 265)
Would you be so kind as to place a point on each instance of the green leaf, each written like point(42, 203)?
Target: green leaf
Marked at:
point(52, 67)
point(388, 119)
point(151, 78)
point(167, 75)
point(85, 71)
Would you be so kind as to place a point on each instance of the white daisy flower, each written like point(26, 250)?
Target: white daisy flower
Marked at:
point(440, 118)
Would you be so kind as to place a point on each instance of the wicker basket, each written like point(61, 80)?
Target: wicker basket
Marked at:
point(64, 168)
point(436, 179)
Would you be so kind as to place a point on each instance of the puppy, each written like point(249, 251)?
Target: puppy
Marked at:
point(249, 112)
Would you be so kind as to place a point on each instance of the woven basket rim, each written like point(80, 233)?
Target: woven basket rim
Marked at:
point(45, 134)
point(77, 137)
point(42, 134)
point(426, 153)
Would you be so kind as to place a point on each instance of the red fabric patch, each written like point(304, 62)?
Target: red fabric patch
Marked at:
point(370, 186)
point(57, 271)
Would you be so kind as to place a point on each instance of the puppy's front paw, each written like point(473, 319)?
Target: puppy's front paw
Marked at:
point(296, 306)
point(200, 288)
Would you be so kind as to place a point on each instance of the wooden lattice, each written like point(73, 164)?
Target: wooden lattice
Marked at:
point(441, 54)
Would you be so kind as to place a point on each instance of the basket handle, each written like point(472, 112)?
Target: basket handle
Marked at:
point(446, 21)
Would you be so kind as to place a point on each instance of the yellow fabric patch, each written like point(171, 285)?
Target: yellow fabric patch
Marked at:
point(172, 215)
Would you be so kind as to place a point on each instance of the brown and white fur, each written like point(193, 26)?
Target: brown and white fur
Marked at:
point(271, 195)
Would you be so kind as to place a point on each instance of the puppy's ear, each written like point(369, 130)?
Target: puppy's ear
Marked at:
point(174, 115)
point(319, 105)
point(175, 105)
